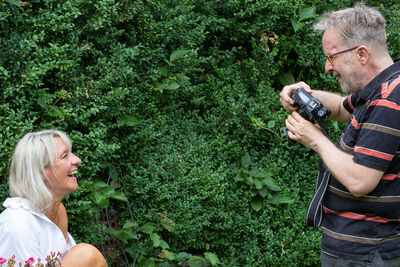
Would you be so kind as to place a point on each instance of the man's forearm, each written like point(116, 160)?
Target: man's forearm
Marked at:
point(358, 179)
point(334, 103)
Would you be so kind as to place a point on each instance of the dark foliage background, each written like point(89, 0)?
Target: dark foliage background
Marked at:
point(173, 107)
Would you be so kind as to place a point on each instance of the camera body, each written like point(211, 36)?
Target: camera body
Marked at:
point(310, 108)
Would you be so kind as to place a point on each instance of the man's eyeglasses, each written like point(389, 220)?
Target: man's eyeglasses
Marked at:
point(330, 57)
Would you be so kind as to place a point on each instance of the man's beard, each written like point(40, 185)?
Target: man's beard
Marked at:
point(349, 83)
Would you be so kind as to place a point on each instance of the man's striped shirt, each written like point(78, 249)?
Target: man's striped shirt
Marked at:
point(353, 228)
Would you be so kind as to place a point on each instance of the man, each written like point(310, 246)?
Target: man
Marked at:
point(361, 205)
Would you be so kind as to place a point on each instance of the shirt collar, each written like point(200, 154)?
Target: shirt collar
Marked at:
point(368, 90)
point(19, 202)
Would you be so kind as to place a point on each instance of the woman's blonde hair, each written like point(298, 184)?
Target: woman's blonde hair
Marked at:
point(33, 153)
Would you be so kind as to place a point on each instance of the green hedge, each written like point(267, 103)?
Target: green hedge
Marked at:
point(173, 107)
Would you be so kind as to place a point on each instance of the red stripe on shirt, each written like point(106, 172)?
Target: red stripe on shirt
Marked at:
point(355, 216)
point(384, 90)
point(391, 177)
point(389, 90)
point(385, 103)
point(373, 153)
point(349, 102)
point(355, 123)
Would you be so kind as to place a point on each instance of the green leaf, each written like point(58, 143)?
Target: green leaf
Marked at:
point(257, 122)
point(118, 196)
point(196, 262)
point(178, 54)
point(163, 70)
point(249, 180)
point(240, 177)
point(256, 204)
point(167, 255)
point(127, 121)
point(148, 228)
point(168, 223)
point(3, 71)
point(56, 111)
point(132, 250)
point(258, 184)
point(100, 185)
point(106, 191)
point(281, 200)
point(168, 85)
point(260, 173)
point(100, 200)
point(156, 239)
point(42, 101)
point(163, 244)
point(212, 258)
point(124, 235)
point(253, 192)
point(307, 12)
point(271, 184)
point(246, 161)
point(113, 174)
point(286, 78)
point(183, 256)
point(271, 124)
point(263, 192)
point(14, 2)
point(130, 224)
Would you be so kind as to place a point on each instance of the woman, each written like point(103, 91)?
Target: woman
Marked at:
point(34, 223)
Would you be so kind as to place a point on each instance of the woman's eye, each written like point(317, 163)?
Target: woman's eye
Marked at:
point(63, 156)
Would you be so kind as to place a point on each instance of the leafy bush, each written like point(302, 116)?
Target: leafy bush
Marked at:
point(165, 102)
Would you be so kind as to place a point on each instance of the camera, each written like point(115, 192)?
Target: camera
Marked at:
point(310, 108)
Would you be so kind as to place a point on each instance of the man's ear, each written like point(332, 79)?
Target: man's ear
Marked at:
point(363, 54)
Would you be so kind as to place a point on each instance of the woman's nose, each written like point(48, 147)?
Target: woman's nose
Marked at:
point(76, 160)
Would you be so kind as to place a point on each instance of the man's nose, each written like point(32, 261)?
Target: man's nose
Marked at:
point(328, 66)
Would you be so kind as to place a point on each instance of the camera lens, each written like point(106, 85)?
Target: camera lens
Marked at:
point(321, 113)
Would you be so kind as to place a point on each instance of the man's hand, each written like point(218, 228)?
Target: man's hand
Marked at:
point(303, 131)
point(286, 95)
point(358, 179)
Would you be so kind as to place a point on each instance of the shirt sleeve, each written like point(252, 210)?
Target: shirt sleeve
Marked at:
point(349, 103)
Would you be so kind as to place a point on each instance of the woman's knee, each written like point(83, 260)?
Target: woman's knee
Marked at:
point(84, 254)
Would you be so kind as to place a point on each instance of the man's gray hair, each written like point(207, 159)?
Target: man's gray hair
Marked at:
point(33, 153)
point(357, 25)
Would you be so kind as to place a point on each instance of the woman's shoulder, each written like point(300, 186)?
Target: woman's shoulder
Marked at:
point(17, 216)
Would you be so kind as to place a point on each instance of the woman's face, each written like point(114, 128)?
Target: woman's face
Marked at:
point(63, 180)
